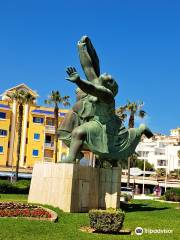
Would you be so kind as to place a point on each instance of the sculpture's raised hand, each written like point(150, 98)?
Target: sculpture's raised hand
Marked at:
point(73, 75)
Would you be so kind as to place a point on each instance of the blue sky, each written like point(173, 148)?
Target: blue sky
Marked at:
point(138, 42)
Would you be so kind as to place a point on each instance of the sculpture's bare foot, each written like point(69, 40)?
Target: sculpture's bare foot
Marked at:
point(146, 131)
point(80, 156)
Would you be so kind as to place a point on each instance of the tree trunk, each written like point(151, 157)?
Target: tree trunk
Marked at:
point(130, 125)
point(128, 177)
point(20, 120)
point(56, 112)
point(131, 120)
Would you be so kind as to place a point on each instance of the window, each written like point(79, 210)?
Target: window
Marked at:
point(38, 120)
point(2, 115)
point(1, 149)
point(48, 139)
point(50, 121)
point(161, 163)
point(35, 152)
point(3, 132)
point(36, 136)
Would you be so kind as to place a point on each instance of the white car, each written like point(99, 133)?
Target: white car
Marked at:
point(127, 191)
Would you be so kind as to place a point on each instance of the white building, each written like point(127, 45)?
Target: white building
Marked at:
point(175, 133)
point(161, 151)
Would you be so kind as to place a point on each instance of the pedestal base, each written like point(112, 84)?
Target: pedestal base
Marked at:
point(75, 188)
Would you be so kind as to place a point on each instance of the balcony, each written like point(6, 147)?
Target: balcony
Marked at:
point(49, 145)
point(48, 159)
point(50, 129)
point(161, 163)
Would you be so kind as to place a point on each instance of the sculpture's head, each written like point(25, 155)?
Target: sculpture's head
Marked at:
point(109, 82)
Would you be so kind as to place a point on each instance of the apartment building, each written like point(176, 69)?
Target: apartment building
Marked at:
point(161, 151)
point(38, 132)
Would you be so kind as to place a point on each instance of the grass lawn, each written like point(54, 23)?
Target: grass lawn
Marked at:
point(13, 198)
point(147, 214)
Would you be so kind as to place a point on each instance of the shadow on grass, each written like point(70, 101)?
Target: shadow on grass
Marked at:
point(133, 207)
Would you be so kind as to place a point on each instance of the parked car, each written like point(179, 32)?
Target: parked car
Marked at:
point(127, 193)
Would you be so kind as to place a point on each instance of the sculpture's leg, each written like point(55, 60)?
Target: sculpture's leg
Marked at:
point(77, 140)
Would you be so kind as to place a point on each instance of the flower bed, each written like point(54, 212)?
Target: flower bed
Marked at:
point(15, 209)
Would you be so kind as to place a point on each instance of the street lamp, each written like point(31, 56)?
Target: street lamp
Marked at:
point(165, 181)
point(144, 176)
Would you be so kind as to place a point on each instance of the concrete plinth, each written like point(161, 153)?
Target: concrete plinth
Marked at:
point(109, 188)
point(75, 188)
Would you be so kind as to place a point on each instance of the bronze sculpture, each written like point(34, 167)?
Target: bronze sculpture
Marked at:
point(92, 123)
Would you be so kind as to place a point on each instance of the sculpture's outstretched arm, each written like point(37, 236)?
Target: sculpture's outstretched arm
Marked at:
point(88, 58)
point(101, 92)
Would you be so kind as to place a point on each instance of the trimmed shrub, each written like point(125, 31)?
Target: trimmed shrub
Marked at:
point(173, 194)
point(21, 187)
point(107, 221)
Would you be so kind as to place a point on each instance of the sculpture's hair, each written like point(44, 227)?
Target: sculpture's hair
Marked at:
point(110, 83)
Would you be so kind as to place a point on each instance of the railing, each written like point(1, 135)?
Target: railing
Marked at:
point(50, 129)
point(49, 145)
point(48, 159)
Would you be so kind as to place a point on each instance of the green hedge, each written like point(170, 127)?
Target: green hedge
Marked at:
point(107, 221)
point(21, 186)
point(173, 194)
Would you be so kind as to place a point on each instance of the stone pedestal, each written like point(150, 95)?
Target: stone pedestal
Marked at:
point(109, 188)
point(75, 188)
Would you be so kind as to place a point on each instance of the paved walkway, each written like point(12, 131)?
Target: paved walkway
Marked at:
point(146, 197)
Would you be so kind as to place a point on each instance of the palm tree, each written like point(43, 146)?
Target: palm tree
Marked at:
point(55, 98)
point(21, 97)
point(121, 113)
point(133, 109)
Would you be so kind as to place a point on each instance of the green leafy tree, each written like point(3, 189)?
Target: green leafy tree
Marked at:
point(178, 170)
point(140, 164)
point(161, 172)
point(21, 97)
point(178, 154)
point(55, 98)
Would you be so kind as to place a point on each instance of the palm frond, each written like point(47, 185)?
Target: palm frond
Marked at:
point(48, 101)
point(142, 114)
point(56, 98)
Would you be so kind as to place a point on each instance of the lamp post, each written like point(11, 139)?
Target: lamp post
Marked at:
point(144, 176)
point(165, 181)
